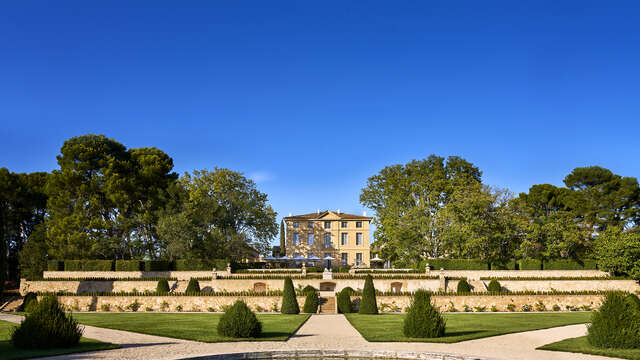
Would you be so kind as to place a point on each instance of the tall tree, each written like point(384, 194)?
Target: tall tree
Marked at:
point(407, 200)
point(283, 249)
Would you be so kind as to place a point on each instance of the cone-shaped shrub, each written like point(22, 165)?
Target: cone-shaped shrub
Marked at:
point(311, 302)
point(423, 320)
point(239, 321)
point(463, 286)
point(30, 299)
point(308, 289)
point(368, 303)
point(163, 286)
point(289, 301)
point(494, 286)
point(46, 326)
point(617, 323)
point(344, 301)
point(193, 286)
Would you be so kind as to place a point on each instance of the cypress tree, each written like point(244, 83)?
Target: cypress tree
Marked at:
point(193, 286)
point(163, 286)
point(463, 286)
point(494, 286)
point(311, 303)
point(423, 320)
point(283, 249)
point(344, 301)
point(368, 303)
point(289, 301)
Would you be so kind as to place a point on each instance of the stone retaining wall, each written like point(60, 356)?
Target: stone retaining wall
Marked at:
point(477, 274)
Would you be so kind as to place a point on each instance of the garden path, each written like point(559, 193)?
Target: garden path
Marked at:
point(329, 332)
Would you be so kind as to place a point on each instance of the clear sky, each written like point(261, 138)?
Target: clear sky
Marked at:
point(310, 98)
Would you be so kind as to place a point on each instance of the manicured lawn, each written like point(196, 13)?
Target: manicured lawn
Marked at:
point(580, 345)
point(7, 351)
point(463, 326)
point(199, 327)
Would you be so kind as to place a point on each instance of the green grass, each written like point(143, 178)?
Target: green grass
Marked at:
point(7, 351)
point(463, 326)
point(198, 327)
point(581, 345)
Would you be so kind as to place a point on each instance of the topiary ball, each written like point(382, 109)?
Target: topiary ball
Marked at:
point(239, 322)
point(463, 286)
point(163, 286)
point(423, 320)
point(617, 324)
point(494, 286)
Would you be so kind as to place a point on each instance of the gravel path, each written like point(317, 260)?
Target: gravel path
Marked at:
point(328, 332)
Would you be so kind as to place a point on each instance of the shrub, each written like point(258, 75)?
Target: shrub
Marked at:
point(289, 301)
point(540, 306)
point(129, 265)
point(105, 307)
point(193, 287)
point(163, 286)
point(157, 265)
point(239, 321)
point(423, 320)
point(368, 303)
point(617, 323)
point(179, 308)
point(530, 264)
point(526, 308)
point(55, 265)
point(200, 264)
point(344, 301)
point(564, 264)
point(311, 303)
point(457, 264)
point(466, 308)
point(463, 287)
point(556, 307)
point(451, 307)
point(134, 306)
point(494, 308)
point(511, 307)
point(507, 265)
point(47, 326)
point(494, 286)
point(29, 301)
point(308, 289)
point(480, 308)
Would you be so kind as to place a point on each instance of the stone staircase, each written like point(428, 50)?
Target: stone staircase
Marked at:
point(327, 305)
point(11, 304)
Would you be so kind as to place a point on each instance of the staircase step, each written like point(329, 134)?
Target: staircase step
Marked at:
point(327, 305)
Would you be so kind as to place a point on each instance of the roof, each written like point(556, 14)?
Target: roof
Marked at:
point(321, 214)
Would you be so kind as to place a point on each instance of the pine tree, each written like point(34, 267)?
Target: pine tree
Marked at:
point(289, 301)
point(368, 304)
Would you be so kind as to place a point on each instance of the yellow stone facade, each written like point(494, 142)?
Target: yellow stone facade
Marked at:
point(344, 237)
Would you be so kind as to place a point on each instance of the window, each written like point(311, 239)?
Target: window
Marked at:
point(295, 224)
point(359, 259)
point(358, 239)
point(344, 239)
point(327, 240)
point(358, 224)
point(296, 239)
point(310, 239)
point(310, 224)
point(345, 259)
point(344, 224)
point(327, 224)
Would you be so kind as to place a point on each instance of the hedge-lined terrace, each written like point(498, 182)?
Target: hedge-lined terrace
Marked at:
point(522, 264)
point(140, 265)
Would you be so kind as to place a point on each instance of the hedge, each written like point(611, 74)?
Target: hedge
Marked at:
point(569, 264)
point(530, 264)
point(509, 265)
point(55, 265)
point(157, 265)
point(88, 265)
point(200, 264)
point(458, 264)
point(129, 265)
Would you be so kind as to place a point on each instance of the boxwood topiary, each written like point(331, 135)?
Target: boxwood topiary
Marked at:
point(239, 322)
point(308, 289)
point(463, 286)
point(193, 287)
point(423, 320)
point(344, 301)
point(617, 323)
point(494, 286)
point(311, 303)
point(46, 326)
point(368, 303)
point(163, 286)
point(289, 301)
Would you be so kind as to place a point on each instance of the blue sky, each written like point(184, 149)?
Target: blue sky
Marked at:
point(311, 98)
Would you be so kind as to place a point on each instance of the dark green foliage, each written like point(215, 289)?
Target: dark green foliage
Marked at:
point(565, 264)
point(163, 286)
point(45, 327)
point(157, 265)
point(88, 265)
point(55, 265)
point(311, 303)
point(530, 264)
point(458, 264)
point(507, 265)
point(423, 320)
point(200, 264)
point(494, 286)
point(239, 321)
point(344, 301)
point(29, 300)
point(308, 289)
point(193, 287)
point(129, 265)
point(463, 286)
point(616, 324)
point(289, 301)
point(368, 303)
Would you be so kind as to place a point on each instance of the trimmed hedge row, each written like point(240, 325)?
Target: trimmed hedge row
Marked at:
point(137, 265)
point(458, 264)
point(522, 264)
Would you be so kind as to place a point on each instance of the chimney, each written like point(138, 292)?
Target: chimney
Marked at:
point(364, 213)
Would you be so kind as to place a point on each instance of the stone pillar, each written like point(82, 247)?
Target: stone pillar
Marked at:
point(427, 269)
point(229, 268)
point(304, 269)
point(214, 275)
point(443, 281)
